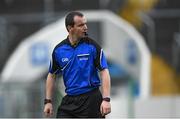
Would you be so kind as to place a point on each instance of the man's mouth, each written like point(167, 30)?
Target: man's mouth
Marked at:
point(85, 33)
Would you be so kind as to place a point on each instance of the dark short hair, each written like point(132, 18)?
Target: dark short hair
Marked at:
point(69, 20)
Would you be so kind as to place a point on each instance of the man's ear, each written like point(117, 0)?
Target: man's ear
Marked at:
point(69, 28)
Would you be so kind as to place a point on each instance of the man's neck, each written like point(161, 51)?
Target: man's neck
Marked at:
point(73, 40)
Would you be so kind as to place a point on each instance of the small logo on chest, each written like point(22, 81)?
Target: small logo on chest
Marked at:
point(83, 56)
point(65, 59)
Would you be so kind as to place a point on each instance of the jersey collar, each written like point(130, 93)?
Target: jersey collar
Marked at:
point(75, 45)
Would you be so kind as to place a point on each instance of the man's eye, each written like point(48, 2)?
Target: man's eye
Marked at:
point(81, 25)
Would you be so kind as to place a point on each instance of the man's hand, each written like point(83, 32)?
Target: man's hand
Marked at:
point(48, 110)
point(105, 108)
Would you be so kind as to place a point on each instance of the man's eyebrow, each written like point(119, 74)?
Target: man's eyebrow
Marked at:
point(82, 24)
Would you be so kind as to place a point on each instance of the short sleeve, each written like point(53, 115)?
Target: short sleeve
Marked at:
point(100, 59)
point(54, 68)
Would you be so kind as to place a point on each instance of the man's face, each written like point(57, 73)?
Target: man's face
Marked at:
point(80, 28)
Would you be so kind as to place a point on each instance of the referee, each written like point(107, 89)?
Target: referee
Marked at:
point(79, 59)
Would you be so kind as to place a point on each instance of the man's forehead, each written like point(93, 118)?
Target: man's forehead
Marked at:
point(80, 19)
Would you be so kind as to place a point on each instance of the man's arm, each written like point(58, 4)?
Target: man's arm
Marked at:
point(48, 108)
point(50, 85)
point(106, 85)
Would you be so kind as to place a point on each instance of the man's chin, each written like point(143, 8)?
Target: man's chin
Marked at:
point(83, 36)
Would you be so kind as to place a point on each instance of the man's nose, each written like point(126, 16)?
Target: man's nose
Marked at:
point(85, 27)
